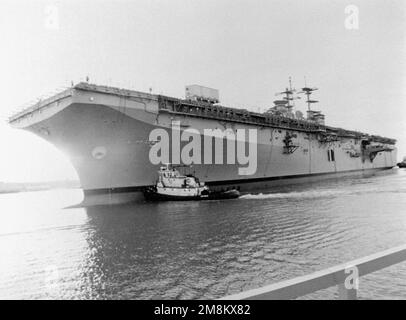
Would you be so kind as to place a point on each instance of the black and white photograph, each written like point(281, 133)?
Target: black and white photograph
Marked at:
point(210, 151)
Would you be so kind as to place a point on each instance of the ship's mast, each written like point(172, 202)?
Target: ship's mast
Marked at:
point(308, 91)
point(311, 114)
point(289, 97)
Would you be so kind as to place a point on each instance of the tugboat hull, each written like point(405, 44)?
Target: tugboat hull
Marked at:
point(230, 194)
point(155, 196)
point(151, 194)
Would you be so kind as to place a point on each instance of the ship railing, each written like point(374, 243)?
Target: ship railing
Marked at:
point(219, 112)
point(39, 103)
point(208, 110)
point(345, 277)
point(121, 92)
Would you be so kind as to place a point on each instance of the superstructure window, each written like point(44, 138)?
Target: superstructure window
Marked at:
point(330, 155)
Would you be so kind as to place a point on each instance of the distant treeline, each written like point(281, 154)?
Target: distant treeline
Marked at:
point(10, 187)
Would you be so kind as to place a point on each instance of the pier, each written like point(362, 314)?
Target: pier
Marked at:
point(334, 276)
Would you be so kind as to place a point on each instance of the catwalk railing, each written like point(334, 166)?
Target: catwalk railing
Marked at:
point(344, 276)
point(210, 111)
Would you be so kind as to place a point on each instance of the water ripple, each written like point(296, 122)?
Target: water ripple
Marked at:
point(196, 250)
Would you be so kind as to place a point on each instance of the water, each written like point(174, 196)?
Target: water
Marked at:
point(206, 249)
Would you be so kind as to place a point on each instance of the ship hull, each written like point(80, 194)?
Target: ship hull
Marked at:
point(107, 141)
point(134, 194)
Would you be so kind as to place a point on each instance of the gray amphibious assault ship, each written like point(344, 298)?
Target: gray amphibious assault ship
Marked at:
point(106, 133)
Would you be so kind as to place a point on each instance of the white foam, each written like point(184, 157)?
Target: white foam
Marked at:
point(304, 194)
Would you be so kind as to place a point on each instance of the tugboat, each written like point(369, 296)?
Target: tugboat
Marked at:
point(172, 185)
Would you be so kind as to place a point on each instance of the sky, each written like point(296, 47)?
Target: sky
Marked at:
point(245, 48)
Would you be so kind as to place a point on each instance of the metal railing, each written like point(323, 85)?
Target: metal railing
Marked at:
point(32, 106)
point(207, 110)
point(334, 276)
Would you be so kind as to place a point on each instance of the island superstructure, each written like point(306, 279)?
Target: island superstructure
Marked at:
point(105, 133)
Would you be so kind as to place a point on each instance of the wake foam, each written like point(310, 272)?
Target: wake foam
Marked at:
point(301, 195)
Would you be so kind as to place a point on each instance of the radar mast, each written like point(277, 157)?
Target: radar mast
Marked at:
point(289, 96)
point(308, 92)
point(312, 115)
